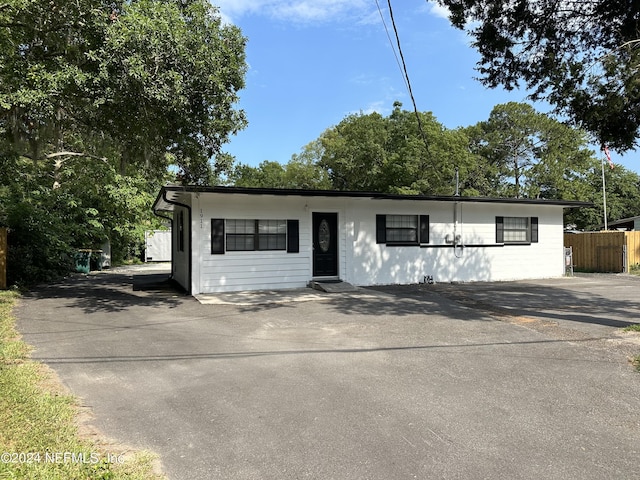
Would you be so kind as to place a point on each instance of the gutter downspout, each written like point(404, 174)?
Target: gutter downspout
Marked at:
point(188, 208)
point(457, 237)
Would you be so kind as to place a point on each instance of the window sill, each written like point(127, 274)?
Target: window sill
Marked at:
point(401, 244)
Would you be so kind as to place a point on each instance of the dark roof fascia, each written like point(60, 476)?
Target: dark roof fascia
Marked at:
point(618, 222)
point(625, 220)
point(372, 195)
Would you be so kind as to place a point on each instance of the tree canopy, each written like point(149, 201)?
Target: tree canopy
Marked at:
point(529, 153)
point(152, 81)
point(389, 154)
point(516, 152)
point(581, 56)
point(100, 104)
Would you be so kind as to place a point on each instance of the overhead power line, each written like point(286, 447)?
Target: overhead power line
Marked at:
point(403, 70)
point(393, 49)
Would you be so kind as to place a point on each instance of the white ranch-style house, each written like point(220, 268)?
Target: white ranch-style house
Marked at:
point(232, 239)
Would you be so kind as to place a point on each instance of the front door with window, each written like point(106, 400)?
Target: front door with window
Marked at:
point(325, 244)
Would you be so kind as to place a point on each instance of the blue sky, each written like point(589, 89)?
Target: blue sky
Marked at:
point(312, 62)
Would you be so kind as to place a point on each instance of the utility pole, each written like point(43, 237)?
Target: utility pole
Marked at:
point(604, 196)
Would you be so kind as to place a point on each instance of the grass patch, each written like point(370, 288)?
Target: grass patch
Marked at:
point(635, 361)
point(635, 269)
point(38, 422)
point(127, 262)
point(633, 328)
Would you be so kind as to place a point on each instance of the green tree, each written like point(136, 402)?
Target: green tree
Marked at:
point(353, 152)
point(44, 72)
point(482, 177)
point(623, 196)
point(301, 171)
point(90, 203)
point(156, 80)
point(170, 72)
point(582, 57)
point(268, 174)
point(532, 155)
point(393, 154)
point(97, 100)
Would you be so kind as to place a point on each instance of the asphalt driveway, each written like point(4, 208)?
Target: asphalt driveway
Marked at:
point(500, 381)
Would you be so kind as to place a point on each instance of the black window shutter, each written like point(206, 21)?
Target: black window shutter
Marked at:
point(381, 229)
point(217, 236)
point(181, 231)
point(534, 229)
point(293, 236)
point(499, 229)
point(424, 228)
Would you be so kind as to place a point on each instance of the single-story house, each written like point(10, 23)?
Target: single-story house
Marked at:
point(630, 223)
point(230, 238)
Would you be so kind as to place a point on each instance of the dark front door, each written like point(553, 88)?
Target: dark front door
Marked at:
point(325, 244)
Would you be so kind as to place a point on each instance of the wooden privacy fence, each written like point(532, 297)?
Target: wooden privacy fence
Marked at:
point(604, 251)
point(3, 258)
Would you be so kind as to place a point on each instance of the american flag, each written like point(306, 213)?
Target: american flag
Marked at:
point(605, 149)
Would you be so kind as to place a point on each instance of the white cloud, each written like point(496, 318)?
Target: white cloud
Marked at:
point(299, 11)
point(365, 79)
point(372, 18)
point(380, 107)
point(439, 11)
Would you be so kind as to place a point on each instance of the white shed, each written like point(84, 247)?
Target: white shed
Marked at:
point(157, 246)
point(231, 239)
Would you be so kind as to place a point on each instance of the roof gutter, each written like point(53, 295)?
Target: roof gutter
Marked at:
point(372, 195)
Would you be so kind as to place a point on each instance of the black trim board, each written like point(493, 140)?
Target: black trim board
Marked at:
point(477, 245)
point(176, 191)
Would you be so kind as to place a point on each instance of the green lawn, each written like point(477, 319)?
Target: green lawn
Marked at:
point(39, 437)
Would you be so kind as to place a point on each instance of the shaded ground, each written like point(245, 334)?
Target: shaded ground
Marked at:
point(502, 380)
point(590, 308)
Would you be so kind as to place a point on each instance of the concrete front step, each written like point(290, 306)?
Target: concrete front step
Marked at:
point(333, 286)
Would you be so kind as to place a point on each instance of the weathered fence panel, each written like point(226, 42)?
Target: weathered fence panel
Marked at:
point(3, 258)
point(633, 247)
point(604, 251)
point(609, 258)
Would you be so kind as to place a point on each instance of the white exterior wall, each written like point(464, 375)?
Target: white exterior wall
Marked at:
point(157, 246)
point(180, 261)
point(259, 270)
point(372, 264)
point(363, 262)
